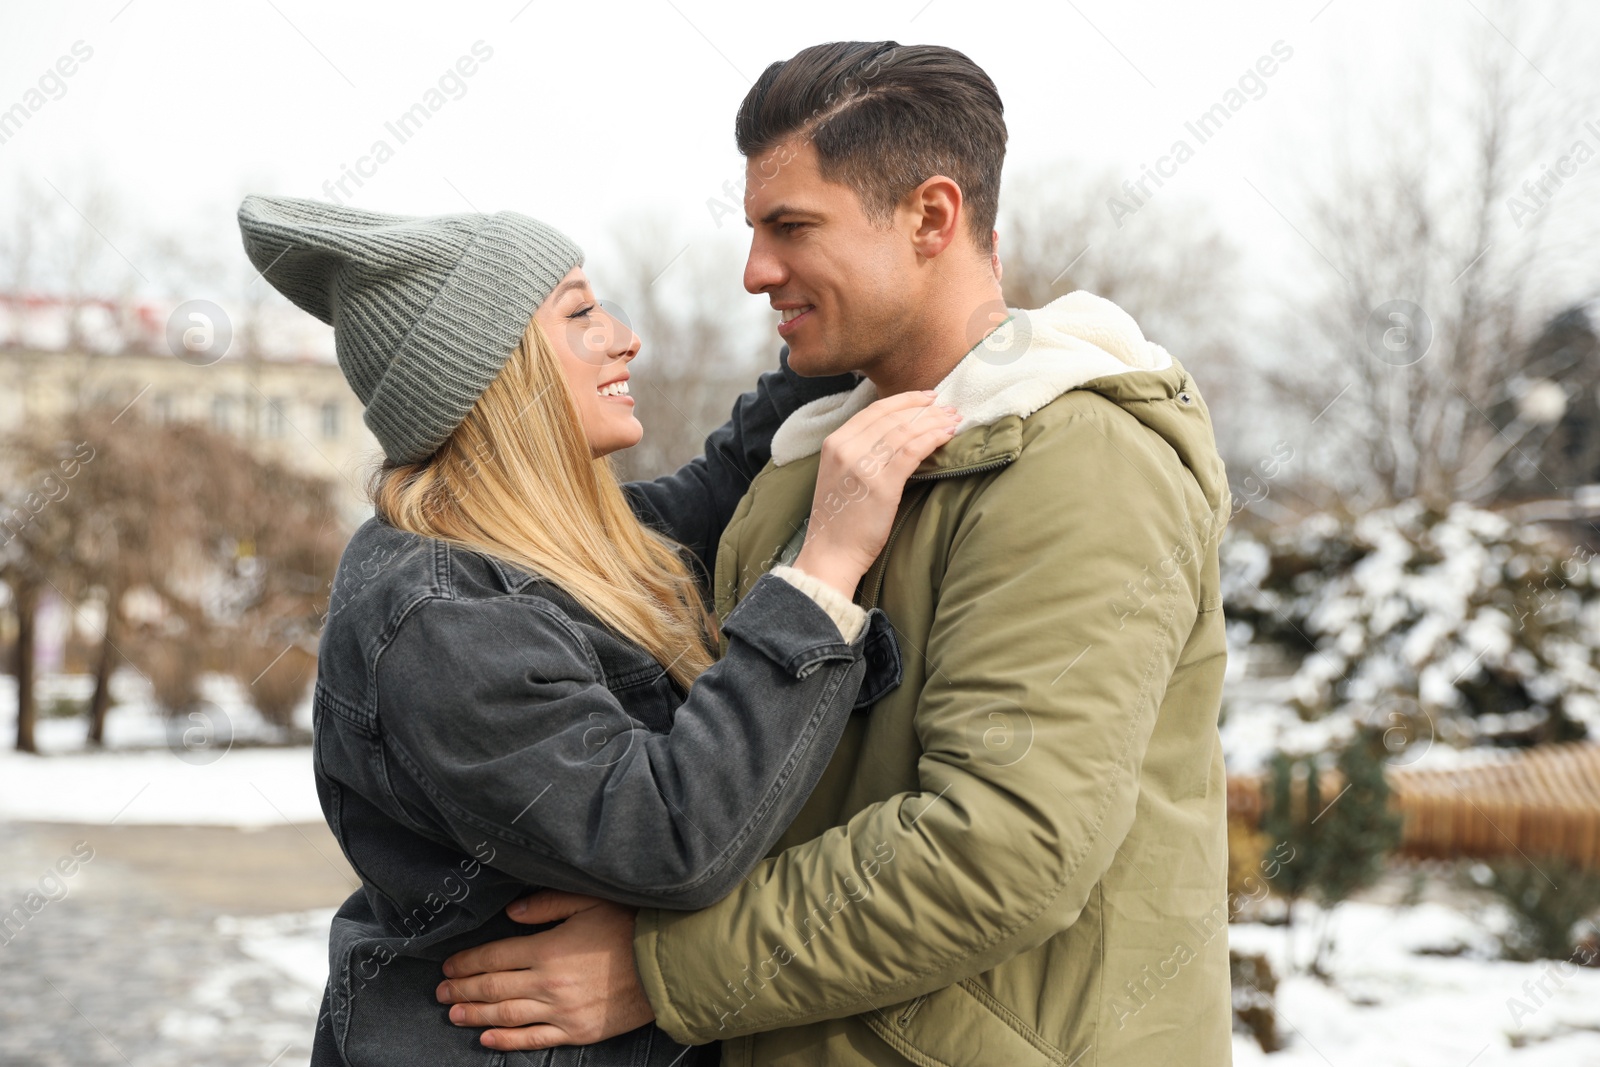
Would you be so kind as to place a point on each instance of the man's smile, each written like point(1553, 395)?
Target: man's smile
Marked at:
point(791, 317)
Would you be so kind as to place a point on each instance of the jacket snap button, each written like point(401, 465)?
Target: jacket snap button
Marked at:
point(1186, 398)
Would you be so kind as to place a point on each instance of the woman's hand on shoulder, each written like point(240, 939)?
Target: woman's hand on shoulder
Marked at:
point(860, 478)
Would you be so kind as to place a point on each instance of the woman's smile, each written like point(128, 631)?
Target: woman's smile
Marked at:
point(616, 389)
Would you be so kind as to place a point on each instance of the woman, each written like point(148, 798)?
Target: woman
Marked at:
point(517, 683)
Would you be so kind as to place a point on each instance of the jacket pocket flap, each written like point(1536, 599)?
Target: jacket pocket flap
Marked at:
point(955, 1026)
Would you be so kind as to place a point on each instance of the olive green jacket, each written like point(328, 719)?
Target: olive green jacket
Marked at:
point(1018, 857)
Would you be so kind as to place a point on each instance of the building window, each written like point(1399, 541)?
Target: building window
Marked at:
point(274, 421)
point(222, 414)
point(330, 418)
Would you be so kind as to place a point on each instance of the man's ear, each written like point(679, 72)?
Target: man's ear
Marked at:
point(935, 215)
point(994, 254)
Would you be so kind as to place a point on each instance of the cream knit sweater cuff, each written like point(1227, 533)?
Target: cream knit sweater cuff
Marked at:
point(849, 617)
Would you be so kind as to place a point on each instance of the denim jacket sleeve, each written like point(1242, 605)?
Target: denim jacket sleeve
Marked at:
point(498, 712)
point(693, 504)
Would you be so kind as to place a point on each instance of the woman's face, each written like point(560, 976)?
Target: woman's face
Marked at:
point(594, 348)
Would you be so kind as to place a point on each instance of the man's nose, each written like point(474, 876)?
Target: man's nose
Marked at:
point(762, 270)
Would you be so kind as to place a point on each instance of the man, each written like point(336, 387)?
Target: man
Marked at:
point(1018, 857)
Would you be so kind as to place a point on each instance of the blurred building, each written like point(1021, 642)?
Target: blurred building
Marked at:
point(276, 385)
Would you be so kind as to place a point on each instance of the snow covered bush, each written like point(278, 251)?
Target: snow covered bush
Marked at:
point(1458, 625)
point(1554, 904)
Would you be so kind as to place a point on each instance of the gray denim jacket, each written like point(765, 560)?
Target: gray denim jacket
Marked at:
point(479, 734)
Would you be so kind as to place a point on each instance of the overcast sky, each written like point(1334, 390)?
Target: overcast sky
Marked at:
point(584, 113)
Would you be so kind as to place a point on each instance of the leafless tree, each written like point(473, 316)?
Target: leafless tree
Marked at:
point(22, 577)
point(703, 337)
point(72, 242)
point(1170, 267)
point(1444, 267)
point(24, 237)
point(236, 551)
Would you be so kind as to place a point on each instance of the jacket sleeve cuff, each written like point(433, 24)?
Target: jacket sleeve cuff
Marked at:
point(848, 616)
point(787, 626)
point(646, 941)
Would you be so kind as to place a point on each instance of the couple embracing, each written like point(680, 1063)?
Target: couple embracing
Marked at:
point(884, 732)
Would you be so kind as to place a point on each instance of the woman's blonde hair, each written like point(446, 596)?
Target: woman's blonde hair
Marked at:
point(517, 481)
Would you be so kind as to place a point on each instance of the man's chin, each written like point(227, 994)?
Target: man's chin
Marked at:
point(808, 362)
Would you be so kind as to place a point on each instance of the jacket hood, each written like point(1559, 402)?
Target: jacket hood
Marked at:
point(1078, 341)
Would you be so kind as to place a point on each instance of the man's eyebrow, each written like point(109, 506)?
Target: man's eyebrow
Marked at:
point(784, 209)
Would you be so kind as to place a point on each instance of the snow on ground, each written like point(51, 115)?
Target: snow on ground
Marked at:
point(288, 954)
point(1388, 1007)
point(296, 943)
point(245, 787)
point(1391, 1007)
point(202, 769)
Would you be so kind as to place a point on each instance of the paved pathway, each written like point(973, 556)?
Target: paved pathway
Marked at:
point(169, 946)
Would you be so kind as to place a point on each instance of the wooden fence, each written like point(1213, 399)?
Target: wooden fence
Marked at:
point(1541, 801)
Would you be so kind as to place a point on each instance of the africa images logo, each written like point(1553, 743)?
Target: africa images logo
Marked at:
point(451, 85)
point(1252, 85)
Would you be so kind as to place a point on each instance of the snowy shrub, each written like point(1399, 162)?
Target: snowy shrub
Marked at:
point(1553, 903)
point(174, 673)
point(1460, 625)
point(275, 680)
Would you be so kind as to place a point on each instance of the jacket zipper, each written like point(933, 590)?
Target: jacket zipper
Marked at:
point(874, 579)
point(956, 472)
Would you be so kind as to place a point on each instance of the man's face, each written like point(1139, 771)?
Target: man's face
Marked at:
point(844, 283)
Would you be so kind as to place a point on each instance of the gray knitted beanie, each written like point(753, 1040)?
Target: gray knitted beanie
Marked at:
point(425, 311)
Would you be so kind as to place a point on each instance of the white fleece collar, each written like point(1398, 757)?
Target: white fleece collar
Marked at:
point(1018, 369)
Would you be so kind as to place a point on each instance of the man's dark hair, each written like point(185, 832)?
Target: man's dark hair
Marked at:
point(885, 118)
